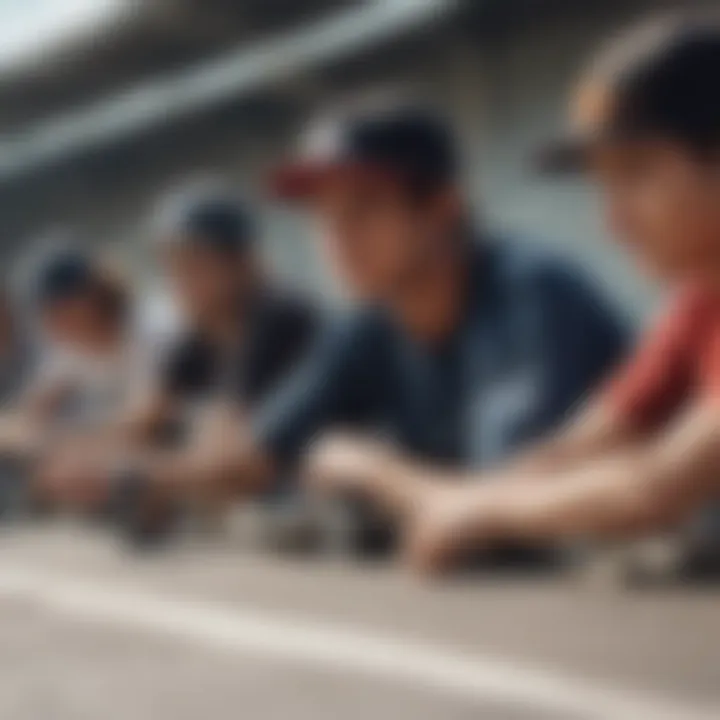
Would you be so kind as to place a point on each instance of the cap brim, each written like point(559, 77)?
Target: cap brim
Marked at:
point(299, 181)
point(302, 181)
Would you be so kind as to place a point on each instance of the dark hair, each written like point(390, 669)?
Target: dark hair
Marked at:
point(206, 215)
point(61, 272)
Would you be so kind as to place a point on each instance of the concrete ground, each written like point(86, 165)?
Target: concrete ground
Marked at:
point(206, 630)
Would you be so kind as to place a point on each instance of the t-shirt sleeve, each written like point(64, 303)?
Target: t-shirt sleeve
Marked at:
point(657, 378)
point(333, 385)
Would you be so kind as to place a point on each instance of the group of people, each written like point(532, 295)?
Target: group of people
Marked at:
point(480, 393)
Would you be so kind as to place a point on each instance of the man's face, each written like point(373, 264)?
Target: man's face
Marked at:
point(375, 235)
point(663, 204)
point(203, 280)
point(72, 321)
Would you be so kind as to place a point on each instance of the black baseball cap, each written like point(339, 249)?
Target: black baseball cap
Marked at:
point(204, 216)
point(403, 140)
point(657, 80)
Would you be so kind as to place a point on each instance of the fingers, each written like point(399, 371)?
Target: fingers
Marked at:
point(425, 547)
point(441, 529)
point(332, 463)
point(348, 464)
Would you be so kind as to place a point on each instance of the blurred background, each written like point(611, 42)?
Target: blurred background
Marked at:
point(104, 103)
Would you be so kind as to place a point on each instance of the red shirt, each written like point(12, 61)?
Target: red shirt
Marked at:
point(677, 362)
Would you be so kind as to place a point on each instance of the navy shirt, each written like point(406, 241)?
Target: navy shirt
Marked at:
point(536, 337)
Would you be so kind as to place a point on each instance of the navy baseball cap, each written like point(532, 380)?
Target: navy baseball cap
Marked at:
point(656, 80)
point(61, 274)
point(406, 141)
point(204, 217)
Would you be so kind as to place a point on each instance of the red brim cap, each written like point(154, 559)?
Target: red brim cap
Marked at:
point(299, 181)
point(302, 181)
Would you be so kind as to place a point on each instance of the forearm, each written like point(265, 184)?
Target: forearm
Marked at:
point(629, 493)
point(613, 497)
point(649, 486)
point(397, 483)
point(190, 475)
point(143, 417)
point(595, 433)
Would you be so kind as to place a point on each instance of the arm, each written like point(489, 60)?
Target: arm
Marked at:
point(140, 422)
point(582, 340)
point(342, 463)
point(223, 460)
point(645, 487)
point(330, 386)
point(596, 431)
point(232, 456)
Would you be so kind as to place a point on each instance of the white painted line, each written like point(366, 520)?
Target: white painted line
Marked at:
point(334, 648)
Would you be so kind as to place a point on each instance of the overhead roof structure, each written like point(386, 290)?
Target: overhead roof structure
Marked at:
point(154, 103)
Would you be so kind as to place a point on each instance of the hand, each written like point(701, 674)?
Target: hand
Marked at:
point(74, 478)
point(214, 452)
point(216, 424)
point(349, 463)
point(443, 525)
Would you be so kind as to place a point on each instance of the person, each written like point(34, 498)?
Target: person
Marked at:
point(90, 354)
point(646, 454)
point(240, 331)
point(82, 313)
point(462, 349)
